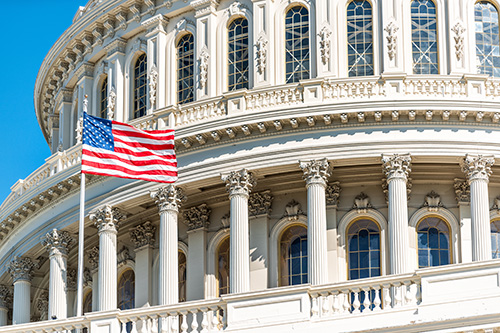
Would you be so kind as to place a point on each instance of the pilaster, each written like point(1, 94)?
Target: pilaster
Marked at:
point(21, 270)
point(116, 79)
point(143, 237)
point(462, 194)
point(332, 198)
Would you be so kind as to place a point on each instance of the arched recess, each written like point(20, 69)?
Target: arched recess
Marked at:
point(182, 27)
point(341, 37)
point(442, 213)
point(139, 48)
point(156, 270)
point(274, 239)
point(278, 54)
point(211, 278)
point(494, 216)
point(345, 221)
point(229, 16)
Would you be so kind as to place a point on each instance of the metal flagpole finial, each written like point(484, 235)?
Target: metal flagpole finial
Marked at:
point(85, 103)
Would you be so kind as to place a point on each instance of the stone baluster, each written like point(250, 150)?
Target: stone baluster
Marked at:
point(143, 237)
point(397, 168)
point(21, 270)
point(57, 244)
point(239, 184)
point(5, 301)
point(316, 173)
point(477, 169)
point(107, 220)
point(168, 199)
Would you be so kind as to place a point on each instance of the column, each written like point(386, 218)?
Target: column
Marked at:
point(397, 168)
point(477, 169)
point(198, 221)
point(143, 236)
point(316, 173)
point(107, 220)
point(259, 208)
point(57, 243)
point(332, 199)
point(168, 199)
point(239, 183)
point(116, 80)
point(93, 259)
point(21, 270)
point(462, 192)
point(5, 301)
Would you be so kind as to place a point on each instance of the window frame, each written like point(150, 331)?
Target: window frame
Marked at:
point(450, 238)
point(217, 251)
point(311, 42)
point(374, 40)
point(134, 88)
point(279, 254)
point(474, 64)
point(351, 223)
point(178, 39)
point(230, 21)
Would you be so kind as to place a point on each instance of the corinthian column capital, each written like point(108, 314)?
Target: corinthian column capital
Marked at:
point(5, 296)
point(93, 255)
point(143, 234)
point(197, 217)
point(57, 242)
point(107, 218)
point(396, 166)
point(239, 182)
point(22, 269)
point(169, 198)
point(316, 171)
point(477, 167)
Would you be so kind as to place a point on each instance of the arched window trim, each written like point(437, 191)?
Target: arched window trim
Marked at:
point(211, 278)
point(274, 240)
point(450, 245)
point(351, 223)
point(494, 216)
point(495, 4)
point(133, 86)
point(443, 214)
point(345, 222)
point(438, 23)
point(283, 231)
point(121, 271)
point(311, 46)
point(216, 259)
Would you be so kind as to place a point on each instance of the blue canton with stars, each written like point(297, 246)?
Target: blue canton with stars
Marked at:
point(97, 132)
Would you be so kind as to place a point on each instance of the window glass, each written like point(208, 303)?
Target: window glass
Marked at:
point(424, 37)
point(238, 54)
point(140, 86)
point(182, 277)
point(495, 239)
point(297, 44)
point(359, 38)
point(363, 244)
point(185, 69)
point(293, 256)
point(104, 99)
point(487, 38)
point(223, 267)
point(126, 290)
point(433, 238)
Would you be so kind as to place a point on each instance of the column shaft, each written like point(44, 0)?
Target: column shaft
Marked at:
point(239, 254)
point(57, 287)
point(316, 234)
point(168, 282)
point(480, 218)
point(398, 225)
point(21, 311)
point(107, 276)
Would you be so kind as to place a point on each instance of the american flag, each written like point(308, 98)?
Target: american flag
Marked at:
point(111, 148)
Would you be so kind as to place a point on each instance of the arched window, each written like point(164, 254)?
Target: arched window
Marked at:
point(182, 277)
point(495, 239)
point(140, 86)
point(487, 38)
point(237, 54)
point(104, 99)
point(126, 290)
point(223, 267)
point(87, 302)
point(433, 235)
point(293, 256)
point(363, 248)
point(360, 38)
point(297, 44)
point(185, 69)
point(424, 37)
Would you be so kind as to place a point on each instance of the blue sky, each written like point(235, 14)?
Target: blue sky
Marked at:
point(30, 29)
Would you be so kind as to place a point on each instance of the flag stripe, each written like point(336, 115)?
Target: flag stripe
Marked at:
point(139, 144)
point(105, 172)
point(136, 162)
point(130, 166)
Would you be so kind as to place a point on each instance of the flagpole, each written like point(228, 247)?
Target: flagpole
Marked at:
point(81, 225)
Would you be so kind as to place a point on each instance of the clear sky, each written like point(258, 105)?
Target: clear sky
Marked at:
point(29, 29)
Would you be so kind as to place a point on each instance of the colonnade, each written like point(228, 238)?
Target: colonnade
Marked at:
point(396, 168)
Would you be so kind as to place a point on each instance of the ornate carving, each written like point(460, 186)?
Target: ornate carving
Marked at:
point(79, 128)
point(123, 256)
point(204, 56)
point(42, 305)
point(197, 217)
point(260, 203)
point(433, 201)
point(111, 103)
point(316, 171)
point(5, 296)
point(293, 211)
point(324, 43)
point(153, 83)
point(143, 234)
point(333, 193)
point(392, 39)
point(261, 53)
point(107, 218)
point(182, 24)
point(396, 166)
point(477, 167)
point(462, 191)
point(496, 204)
point(168, 198)
point(58, 242)
point(225, 220)
point(239, 182)
point(459, 38)
point(87, 277)
point(93, 255)
point(362, 202)
point(71, 279)
point(236, 8)
point(21, 269)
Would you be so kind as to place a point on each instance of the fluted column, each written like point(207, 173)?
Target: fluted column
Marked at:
point(57, 244)
point(477, 169)
point(5, 300)
point(168, 199)
point(21, 270)
point(107, 220)
point(239, 184)
point(397, 168)
point(316, 173)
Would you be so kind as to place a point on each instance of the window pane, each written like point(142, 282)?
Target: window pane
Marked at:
point(293, 252)
point(297, 44)
point(364, 260)
point(433, 242)
point(104, 99)
point(140, 86)
point(487, 38)
point(185, 69)
point(238, 54)
point(359, 38)
point(424, 37)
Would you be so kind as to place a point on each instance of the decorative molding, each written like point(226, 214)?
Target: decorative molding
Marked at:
point(396, 166)
point(111, 103)
point(236, 8)
point(203, 61)
point(71, 279)
point(260, 203)
point(239, 182)
point(21, 269)
point(123, 256)
point(204, 7)
point(143, 234)
point(462, 191)
point(155, 24)
point(226, 220)
point(153, 84)
point(477, 167)
point(168, 198)
point(42, 305)
point(333, 193)
point(58, 242)
point(432, 202)
point(261, 53)
point(93, 255)
point(392, 39)
point(362, 203)
point(183, 24)
point(324, 43)
point(316, 171)
point(197, 217)
point(117, 45)
point(496, 204)
point(6, 297)
point(87, 278)
point(293, 211)
point(459, 30)
point(107, 218)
